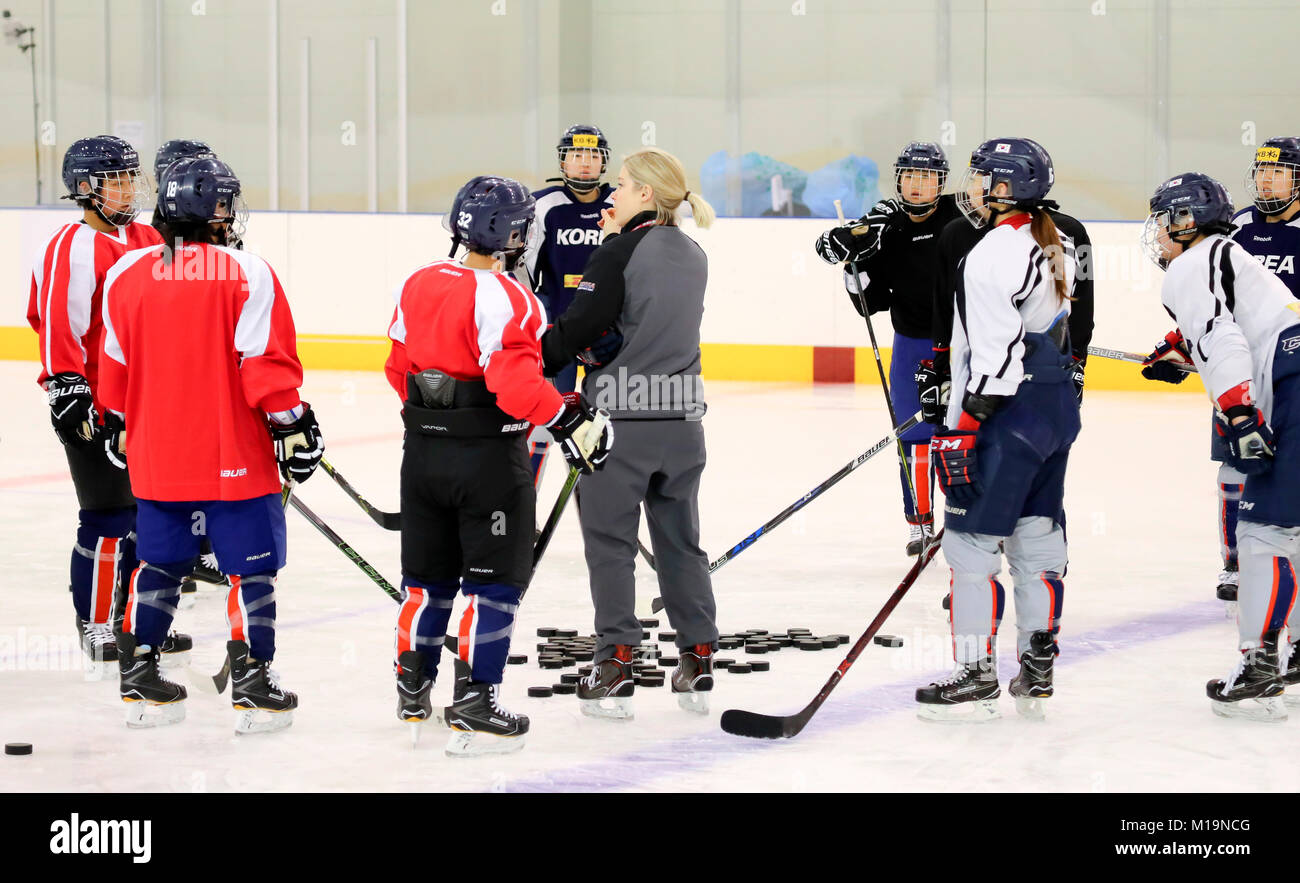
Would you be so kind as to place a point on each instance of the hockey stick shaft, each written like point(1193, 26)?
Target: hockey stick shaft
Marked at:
point(386, 520)
point(1121, 356)
point(764, 726)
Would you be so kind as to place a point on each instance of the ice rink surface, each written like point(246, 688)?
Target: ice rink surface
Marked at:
point(1141, 634)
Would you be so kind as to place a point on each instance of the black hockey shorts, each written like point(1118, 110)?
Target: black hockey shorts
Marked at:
point(467, 509)
point(99, 484)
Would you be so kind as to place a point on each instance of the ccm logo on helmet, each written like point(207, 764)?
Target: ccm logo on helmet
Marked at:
point(577, 236)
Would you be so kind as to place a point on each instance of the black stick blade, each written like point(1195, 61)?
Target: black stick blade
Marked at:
point(656, 605)
point(755, 726)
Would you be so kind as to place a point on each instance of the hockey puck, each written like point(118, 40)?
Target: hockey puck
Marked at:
point(808, 645)
point(724, 662)
point(649, 682)
point(796, 632)
point(547, 632)
point(563, 689)
point(585, 670)
point(829, 641)
point(570, 677)
point(760, 665)
point(668, 636)
point(888, 640)
point(566, 633)
point(550, 662)
point(567, 661)
point(772, 646)
point(517, 659)
point(649, 623)
point(728, 644)
point(843, 639)
point(741, 668)
point(668, 661)
point(755, 631)
point(584, 655)
point(786, 641)
point(645, 636)
point(18, 748)
point(539, 692)
point(756, 648)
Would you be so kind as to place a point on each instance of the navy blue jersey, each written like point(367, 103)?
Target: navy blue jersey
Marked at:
point(564, 234)
point(1276, 246)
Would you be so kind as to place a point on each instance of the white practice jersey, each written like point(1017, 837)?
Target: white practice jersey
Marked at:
point(1231, 312)
point(1004, 290)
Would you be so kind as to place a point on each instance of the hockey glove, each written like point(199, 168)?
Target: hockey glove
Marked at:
point(603, 351)
point(1242, 427)
point(1076, 377)
point(585, 435)
point(72, 408)
point(299, 446)
point(1164, 360)
point(953, 453)
point(933, 385)
point(115, 439)
point(835, 245)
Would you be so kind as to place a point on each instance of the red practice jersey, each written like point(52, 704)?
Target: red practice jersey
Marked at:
point(472, 325)
point(195, 352)
point(67, 293)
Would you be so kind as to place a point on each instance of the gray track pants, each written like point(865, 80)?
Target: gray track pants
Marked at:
point(658, 462)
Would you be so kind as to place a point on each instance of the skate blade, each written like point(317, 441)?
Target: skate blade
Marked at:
point(1270, 710)
point(696, 703)
point(618, 709)
point(141, 715)
point(248, 722)
point(979, 712)
point(468, 743)
point(1031, 707)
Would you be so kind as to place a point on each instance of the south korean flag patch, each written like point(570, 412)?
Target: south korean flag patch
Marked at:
point(1002, 148)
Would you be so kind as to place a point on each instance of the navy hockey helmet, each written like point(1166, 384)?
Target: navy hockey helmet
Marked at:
point(1020, 163)
point(201, 190)
point(474, 187)
point(583, 137)
point(1192, 202)
point(103, 159)
point(925, 156)
point(1277, 165)
point(495, 219)
point(179, 148)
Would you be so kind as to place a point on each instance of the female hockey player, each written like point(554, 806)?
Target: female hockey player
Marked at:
point(647, 281)
point(894, 248)
point(1240, 326)
point(1270, 231)
point(102, 176)
point(201, 376)
point(466, 360)
point(1012, 417)
point(564, 233)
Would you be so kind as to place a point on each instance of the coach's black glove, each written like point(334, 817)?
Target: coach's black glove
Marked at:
point(585, 435)
point(299, 446)
point(933, 384)
point(72, 408)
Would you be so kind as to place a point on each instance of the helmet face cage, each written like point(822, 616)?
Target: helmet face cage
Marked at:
point(928, 173)
point(972, 196)
point(1157, 235)
point(1282, 179)
point(591, 140)
point(236, 212)
point(131, 193)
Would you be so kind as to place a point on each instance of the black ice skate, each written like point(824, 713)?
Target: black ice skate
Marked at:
point(413, 687)
point(255, 693)
point(205, 574)
point(1034, 683)
point(968, 695)
point(1254, 688)
point(693, 678)
point(480, 724)
point(151, 700)
point(97, 640)
point(919, 535)
point(1227, 588)
point(607, 691)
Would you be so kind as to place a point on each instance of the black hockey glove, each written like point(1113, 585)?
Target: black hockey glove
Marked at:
point(933, 384)
point(585, 435)
point(298, 446)
point(72, 408)
point(1076, 377)
point(1164, 361)
point(603, 351)
point(953, 453)
point(114, 436)
point(1250, 442)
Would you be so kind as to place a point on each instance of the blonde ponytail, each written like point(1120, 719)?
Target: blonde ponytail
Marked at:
point(664, 174)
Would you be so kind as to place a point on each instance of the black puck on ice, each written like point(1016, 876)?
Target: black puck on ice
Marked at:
point(539, 692)
point(829, 641)
point(570, 677)
point(724, 662)
point(649, 682)
point(585, 670)
point(796, 632)
point(668, 661)
point(760, 665)
point(843, 639)
point(516, 659)
point(668, 636)
point(649, 623)
point(741, 668)
point(729, 643)
point(551, 662)
point(18, 748)
point(809, 644)
point(584, 655)
point(566, 633)
point(547, 632)
point(564, 689)
point(756, 648)
point(888, 640)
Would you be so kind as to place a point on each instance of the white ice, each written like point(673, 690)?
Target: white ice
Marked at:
point(1141, 635)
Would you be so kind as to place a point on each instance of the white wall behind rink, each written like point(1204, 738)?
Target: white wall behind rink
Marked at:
point(766, 286)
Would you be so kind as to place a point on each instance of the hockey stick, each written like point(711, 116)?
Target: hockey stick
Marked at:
point(860, 299)
point(658, 603)
point(753, 725)
point(386, 520)
point(1121, 356)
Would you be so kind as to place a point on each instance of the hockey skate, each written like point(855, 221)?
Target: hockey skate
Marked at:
point(205, 575)
point(97, 641)
point(1034, 683)
point(480, 724)
point(413, 687)
point(1290, 665)
point(693, 679)
point(1254, 688)
point(607, 692)
point(919, 535)
point(151, 700)
point(968, 695)
point(262, 705)
point(1227, 589)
